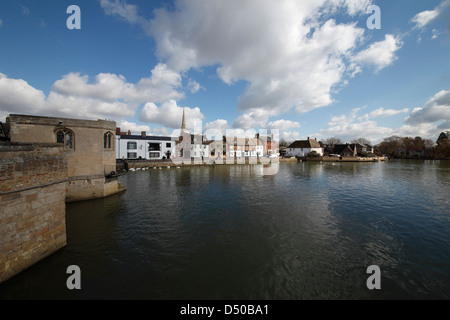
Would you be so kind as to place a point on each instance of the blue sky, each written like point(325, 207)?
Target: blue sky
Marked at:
point(309, 68)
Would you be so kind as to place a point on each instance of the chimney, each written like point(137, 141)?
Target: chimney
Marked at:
point(129, 132)
point(118, 131)
point(143, 134)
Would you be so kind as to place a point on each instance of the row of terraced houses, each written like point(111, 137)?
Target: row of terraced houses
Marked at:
point(188, 145)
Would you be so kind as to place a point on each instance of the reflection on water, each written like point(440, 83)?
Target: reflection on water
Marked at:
point(229, 232)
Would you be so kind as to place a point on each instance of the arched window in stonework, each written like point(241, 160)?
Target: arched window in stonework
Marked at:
point(108, 140)
point(65, 137)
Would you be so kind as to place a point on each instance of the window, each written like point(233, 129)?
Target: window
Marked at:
point(107, 140)
point(131, 155)
point(132, 145)
point(154, 146)
point(60, 137)
point(65, 137)
point(168, 145)
point(154, 155)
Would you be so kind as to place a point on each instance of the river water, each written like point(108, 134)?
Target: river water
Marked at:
point(227, 232)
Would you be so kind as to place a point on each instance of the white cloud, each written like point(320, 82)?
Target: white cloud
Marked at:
point(121, 9)
point(435, 34)
point(289, 136)
point(427, 122)
point(349, 131)
point(161, 86)
point(133, 127)
point(423, 18)
point(283, 125)
point(170, 115)
point(293, 54)
point(219, 124)
point(349, 127)
point(436, 109)
point(17, 96)
point(110, 97)
point(357, 6)
point(380, 54)
point(381, 113)
point(194, 86)
point(424, 130)
point(290, 52)
point(252, 120)
point(86, 108)
point(163, 131)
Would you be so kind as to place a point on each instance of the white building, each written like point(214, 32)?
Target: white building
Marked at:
point(144, 147)
point(244, 147)
point(301, 148)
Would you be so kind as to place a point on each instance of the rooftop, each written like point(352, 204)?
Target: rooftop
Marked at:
point(305, 144)
point(153, 138)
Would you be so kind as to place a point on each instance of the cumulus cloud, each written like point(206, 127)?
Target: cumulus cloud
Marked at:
point(86, 108)
point(291, 52)
point(427, 122)
point(132, 127)
point(349, 127)
point(252, 120)
point(219, 124)
point(109, 97)
point(161, 86)
point(17, 96)
point(170, 115)
point(424, 130)
point(380, 54)
point(289, 136)
point(436, 109)
point(382, 113)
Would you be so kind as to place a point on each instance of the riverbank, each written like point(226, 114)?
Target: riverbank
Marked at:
point(123, 166)
point(334, 159)
point(346, 159)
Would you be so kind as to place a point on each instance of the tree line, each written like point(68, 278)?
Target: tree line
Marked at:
point(401, 147)
point(408, 147)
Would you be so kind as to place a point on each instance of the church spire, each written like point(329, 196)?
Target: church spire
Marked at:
point(183, 123)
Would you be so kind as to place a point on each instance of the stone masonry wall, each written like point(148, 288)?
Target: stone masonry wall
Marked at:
point(87, 162)
point(32, 205)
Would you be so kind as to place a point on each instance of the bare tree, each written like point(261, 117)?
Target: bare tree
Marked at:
point(362, 141)
point(283, 143)
point(333, 141)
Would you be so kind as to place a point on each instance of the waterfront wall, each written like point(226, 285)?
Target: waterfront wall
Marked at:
point(32, 205)
point(82, 188)
point(89, 161)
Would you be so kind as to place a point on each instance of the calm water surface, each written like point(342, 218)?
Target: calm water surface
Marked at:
point(226, 232)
